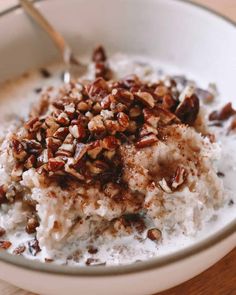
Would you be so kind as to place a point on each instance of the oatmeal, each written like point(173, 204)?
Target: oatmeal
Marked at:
point(109, 168)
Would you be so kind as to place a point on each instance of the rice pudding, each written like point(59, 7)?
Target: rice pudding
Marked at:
point(116, 167)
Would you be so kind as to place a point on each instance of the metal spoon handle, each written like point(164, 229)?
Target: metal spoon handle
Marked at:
point(56, 37)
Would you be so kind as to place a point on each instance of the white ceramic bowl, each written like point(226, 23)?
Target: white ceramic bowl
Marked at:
point(184, 35)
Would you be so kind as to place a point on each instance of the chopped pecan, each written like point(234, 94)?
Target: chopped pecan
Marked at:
point(161, 91)
point(123, 120)
point(17, 172)
point(99, 54)
point(98, 88)
point(94, 149)
point(33, 146)
point(33, 124)
point(164, 186)
point(179, 177)
point(225, 113)
point(187, 111)
point(32, 224)
point(146, 141)
point(92, 250)
point(146, 98)
point(61, 133)
point(150, 117)
point(73, 172)
point(96, 124)
point(122, 95)
point(112, 126)
point(53, 143)
point(55, 164)
point(4, 245)
point(44, 157)
point(80, 151)
point(154, 234)
point(110, 143)
point(51, 126)
point(147, 129)
point(135, 112)
point(77, 131)
point(83, 106)
point(168, 102)
point(19, 250)
point(30, 162)
point(63, 119)
point(18, 149)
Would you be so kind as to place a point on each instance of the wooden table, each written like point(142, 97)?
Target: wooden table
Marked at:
point(219, 279)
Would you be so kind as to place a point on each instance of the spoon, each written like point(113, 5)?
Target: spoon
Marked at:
point(73, 68)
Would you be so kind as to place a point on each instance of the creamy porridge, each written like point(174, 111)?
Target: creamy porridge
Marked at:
point(122, 165)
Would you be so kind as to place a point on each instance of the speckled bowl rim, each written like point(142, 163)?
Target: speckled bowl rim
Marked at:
point(98, 271)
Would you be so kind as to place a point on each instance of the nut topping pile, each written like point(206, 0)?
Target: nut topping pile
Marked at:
point(78, 133)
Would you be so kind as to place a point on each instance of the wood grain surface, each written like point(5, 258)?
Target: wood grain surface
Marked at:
point(219, 279)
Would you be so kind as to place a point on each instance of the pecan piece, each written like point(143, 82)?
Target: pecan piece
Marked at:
point(147, 129)
point(110, 143)
point(123, 96)
point(161, 91)
point(83, 106)
point(32, 224)
point(33, 146)
point(4, 245)
point(53, 144)
point(187, 111)
point(99, 54)
point(135, 112)
point(63, 119)
point(33, 124)
point(17, 171)
point(123, 120)
point(224, 114)
point(97, 89)
point(179, 177)
point(19, 250)
point(77, 131)
point(30, 162)
point(80, 151)
point(150, 117)
point(146, 98)
point(154, 234)
point(55, 164)
point(61, 133)
point(164, 186)
point(94, 149)
point(96, 124)
point(70, 170)
point(18, 149)
point(146, 141)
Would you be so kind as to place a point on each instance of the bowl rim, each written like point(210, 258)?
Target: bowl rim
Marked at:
point(148, 265)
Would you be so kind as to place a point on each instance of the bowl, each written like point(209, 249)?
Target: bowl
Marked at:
point(179, 34)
